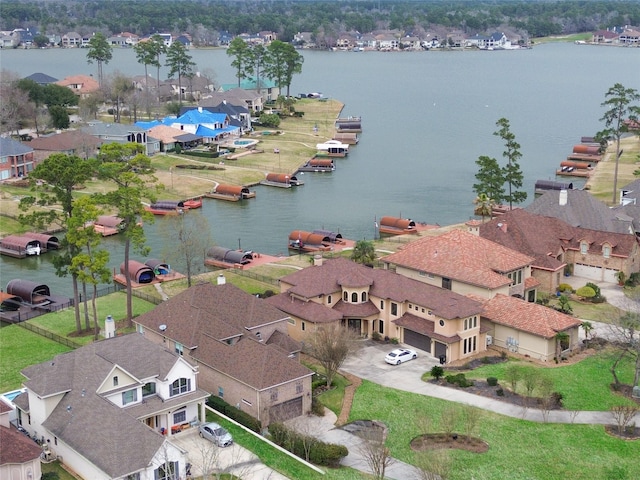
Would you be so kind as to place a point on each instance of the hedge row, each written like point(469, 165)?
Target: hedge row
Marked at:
point(230, 411)
point(319, 453)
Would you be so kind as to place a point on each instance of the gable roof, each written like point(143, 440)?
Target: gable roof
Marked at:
point(205, 315)
point(110, 437)
point(461, 256)
point(546, 237)
point(10, 147)
point(16, 447)
point(250, 84)
point(329, 278)
point(65, 141)
point(85, 84)
point(235, 96)
point(527, 316)
point(581, 210)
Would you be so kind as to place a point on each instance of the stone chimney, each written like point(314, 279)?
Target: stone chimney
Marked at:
point(221, 279)
point(317, 260)
point(473, 227)
point(562, 197)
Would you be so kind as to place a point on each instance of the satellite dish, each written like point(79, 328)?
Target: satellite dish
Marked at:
point(162, 327)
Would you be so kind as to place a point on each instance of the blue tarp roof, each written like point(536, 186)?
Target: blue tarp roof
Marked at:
point(194, 117)
point(211, 133)
point(148, 125)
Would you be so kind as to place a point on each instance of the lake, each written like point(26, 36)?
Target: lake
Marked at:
point(427, 117)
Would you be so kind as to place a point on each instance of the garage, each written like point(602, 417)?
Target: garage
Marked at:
point(286, 410)
point(588, 271)
point(441, 350)
point(611, 275)
point(417, 340)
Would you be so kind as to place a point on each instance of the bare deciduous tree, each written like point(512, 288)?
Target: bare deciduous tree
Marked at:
point(331, 345)
point(625, 334)
point(449, 419)
point(375, 452)
point(433, 464)
point(622, 415)
point(471, 417)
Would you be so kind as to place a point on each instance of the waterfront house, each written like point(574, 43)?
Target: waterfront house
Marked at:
point(604, 36)
point(241, 346)
point(559, 248)
point(465, 263)
point(375, 302)
point(209, 126)
point(264, 87)
point(71, 40)
point(81, 85)
point(253, 101)
point(108, 410)
point(16, 159)
point(69, 142)
point(123, 133)
point(239, 115)
point(42, 79)
point(579, 208)
point(630, 38)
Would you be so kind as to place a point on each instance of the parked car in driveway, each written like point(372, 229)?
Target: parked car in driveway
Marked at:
point(400, 355)
point(216, 434)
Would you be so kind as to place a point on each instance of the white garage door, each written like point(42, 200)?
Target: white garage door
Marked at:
point(587, 271)
point(611, 275)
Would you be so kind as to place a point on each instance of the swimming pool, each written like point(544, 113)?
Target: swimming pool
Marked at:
point(12, 395)
point(244, 143)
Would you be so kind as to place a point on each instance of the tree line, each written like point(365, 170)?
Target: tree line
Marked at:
point(205, 19)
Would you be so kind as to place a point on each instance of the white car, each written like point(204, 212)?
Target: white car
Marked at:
point(215, 433)
point(400, 355)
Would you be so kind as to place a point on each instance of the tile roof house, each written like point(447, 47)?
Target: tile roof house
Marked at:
point(380, 302)
point(81, 85)
point(462, 262)
point(16, 159)
point(528, 328)
point(19, 454)
point(239, 342)
point(580, 209)
point(108, 409)
point(69, 142)
point(593, 254)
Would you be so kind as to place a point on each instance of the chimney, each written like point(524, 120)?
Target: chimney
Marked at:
point(503, 226)
point(221, 279)
point(109, 327)
point(199, 109)
point(317, 260)
point(562, 198)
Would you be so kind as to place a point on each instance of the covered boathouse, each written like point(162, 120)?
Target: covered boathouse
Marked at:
point(397, 226)
point(232, 193)
point(138, 272)
point(20, 246)
point(31, 293)
point(227, 258)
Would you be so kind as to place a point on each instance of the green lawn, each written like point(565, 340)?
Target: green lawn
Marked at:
point(19, 349)
point(518, 449)
point(585, 385)
point(63, 322)
point(278, 461)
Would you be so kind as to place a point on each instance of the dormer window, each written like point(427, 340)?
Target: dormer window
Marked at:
point(329, 299)
point(363, 296)
point(354, 297)
point(345, 296)
point(606, 251)
point(584, 248)
point(181, 385)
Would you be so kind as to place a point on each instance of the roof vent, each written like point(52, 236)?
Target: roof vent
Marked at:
point(162, 327)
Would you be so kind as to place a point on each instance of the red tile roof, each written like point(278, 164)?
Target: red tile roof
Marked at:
point(526, 316)
point(461, 256)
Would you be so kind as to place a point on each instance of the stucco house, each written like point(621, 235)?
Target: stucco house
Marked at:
point(241, 345)
point(19, 455)
point(16, 159)
point(558, 247)
point(81, 85)
point(339, 291)
point(109, 409)
point(467, 264)
point(528, 328)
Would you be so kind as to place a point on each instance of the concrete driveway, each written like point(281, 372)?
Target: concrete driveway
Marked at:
point(205, 456)
point(368, 362)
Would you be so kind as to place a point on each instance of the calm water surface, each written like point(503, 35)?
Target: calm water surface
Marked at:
point(427, 117)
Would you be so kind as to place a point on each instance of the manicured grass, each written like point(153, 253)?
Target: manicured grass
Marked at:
point(599, 312)
point(19, 349)
point(63, 322)
point(518, 449)
point(56, 467)
point(584, 385)
point(278, 461)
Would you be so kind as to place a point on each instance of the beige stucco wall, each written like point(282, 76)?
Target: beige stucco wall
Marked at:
point(22, 471)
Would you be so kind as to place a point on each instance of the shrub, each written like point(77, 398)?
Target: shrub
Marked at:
point(50, 476)
point(500, 392)
point(376, 336)
point(316, 407)
point(556, 398)
point(492, 381)
point(586, 292)
point(565, 287)
point(395, 341)
point(437, 372)
point(236, 414)
point(321, 453)
point(595, 287)
point(460, 379)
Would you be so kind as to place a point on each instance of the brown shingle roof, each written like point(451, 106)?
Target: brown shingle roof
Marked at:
point(461, 256)
point(311, 311)
point(70, 140)
point(110, 437)
point(16, 447)
point(526, 316)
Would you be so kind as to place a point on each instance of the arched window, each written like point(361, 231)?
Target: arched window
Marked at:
point(364, 296)
point(345, 297)
point(354, 297)
point(181, 385)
